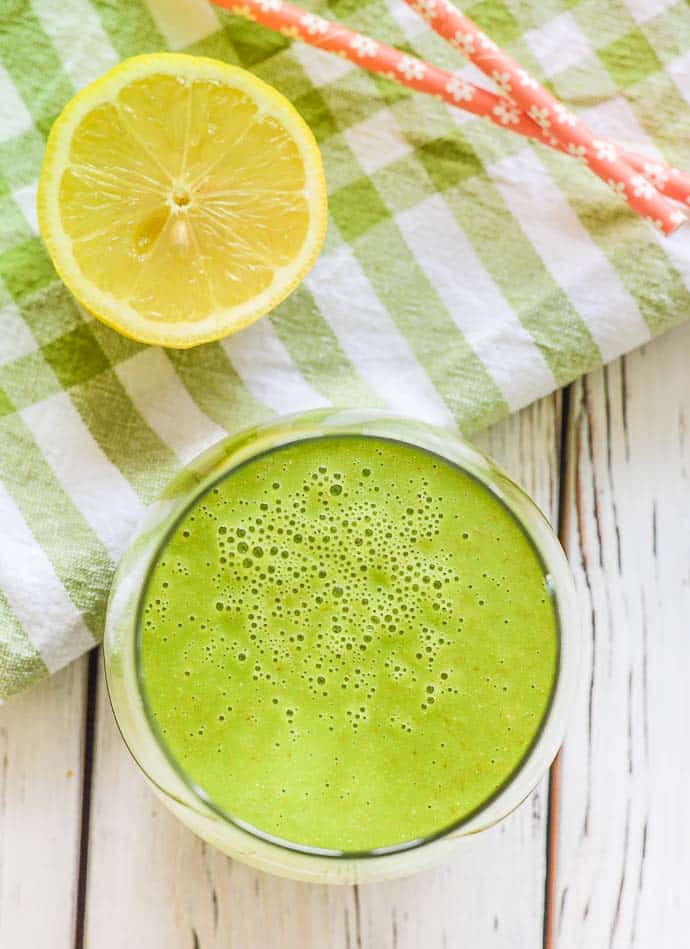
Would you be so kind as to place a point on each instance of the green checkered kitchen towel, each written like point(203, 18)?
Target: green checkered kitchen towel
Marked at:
point(465, 273)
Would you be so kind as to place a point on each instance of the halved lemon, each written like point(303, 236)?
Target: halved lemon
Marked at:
point(181, 198)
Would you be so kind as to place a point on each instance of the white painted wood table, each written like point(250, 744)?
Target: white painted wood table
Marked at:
point(598, 857)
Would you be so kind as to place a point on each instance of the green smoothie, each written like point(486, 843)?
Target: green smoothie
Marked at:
point(348, 642)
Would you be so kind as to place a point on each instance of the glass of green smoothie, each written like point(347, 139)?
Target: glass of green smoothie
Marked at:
point(340, 643)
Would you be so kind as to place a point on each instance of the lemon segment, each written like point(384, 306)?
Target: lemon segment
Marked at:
point(181, 198)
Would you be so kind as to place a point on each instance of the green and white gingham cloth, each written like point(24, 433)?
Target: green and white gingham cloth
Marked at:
point(465, 273)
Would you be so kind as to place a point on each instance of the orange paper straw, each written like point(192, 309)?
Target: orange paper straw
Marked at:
point(376, 57)
point(666, 179)
point(558, 126)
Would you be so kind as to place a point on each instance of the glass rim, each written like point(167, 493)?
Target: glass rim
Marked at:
point(227, 468)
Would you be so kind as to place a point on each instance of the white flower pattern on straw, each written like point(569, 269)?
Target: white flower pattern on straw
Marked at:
point(411, 68)
point(563, 115)
point(540, 116)
point(507, 113)
point(502, 80)
point(460, 90)
point(269, 6)
point(656, 173)
point(364, 46)
point(524, 78)
point(426, 8)
point(641, 187)
point(605, 151)
point(578, 152)
point(464, 42)
point(314, 25)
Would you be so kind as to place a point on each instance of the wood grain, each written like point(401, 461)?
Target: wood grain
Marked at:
point(41, 745)
point(624, 836)
point(164, 887)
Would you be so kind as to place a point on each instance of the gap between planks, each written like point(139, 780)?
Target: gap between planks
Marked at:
point(90, 711)
point(554, 795)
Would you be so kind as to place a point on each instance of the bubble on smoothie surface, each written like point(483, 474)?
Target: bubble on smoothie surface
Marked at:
point(321, 605)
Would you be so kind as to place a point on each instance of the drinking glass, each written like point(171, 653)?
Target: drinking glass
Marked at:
point(228, 832)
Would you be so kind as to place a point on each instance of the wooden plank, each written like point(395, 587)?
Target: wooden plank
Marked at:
point(164, 887)
point(491, 894)
point(41, 744)
point(624, 836)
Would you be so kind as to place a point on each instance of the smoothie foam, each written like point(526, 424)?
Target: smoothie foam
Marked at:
point(348, 642)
